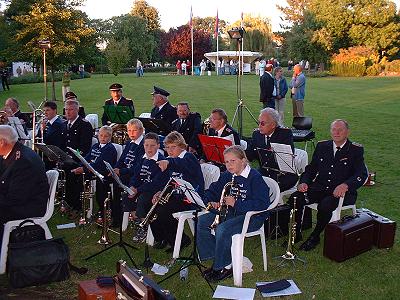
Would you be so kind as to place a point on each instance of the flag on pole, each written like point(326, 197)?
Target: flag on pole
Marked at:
point(241, 22)
point(191, 17)
point(216, 26)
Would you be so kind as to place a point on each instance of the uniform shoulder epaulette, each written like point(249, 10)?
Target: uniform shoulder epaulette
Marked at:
point(322, 141)
point(357, 144)
point(228, 129)
point(84, 120)
point(107, 100)
point(129, 99)
point(256, 129)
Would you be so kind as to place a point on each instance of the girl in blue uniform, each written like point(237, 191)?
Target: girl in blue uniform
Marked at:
point(248, 193)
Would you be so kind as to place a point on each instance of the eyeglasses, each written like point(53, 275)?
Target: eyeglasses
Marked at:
point(264, 123)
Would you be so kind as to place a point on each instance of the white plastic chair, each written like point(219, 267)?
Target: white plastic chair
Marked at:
point(243, 144)
point(238, 239)
point(300, 163)
point(93, 120)
point(52, 177)
point(210, 174)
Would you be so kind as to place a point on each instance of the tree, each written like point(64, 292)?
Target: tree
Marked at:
point(132, 28)
point(149, 13)
point(208, 25)
point(294, 11)
point(117, 55)
point(178, 44)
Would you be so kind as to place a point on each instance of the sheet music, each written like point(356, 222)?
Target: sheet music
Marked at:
point(16, 123)
point(227, 292)
point(229, 138)
point(145, 115)
point(117, 179)
point(86, 164)
point(190, 192)
point(284, 157)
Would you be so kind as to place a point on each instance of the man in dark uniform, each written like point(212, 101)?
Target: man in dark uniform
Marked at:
point(269, 132)
point(12, 108)
point(117, 100)
point(52, 127)
point(72, 96)
point(337, 169)
point(189, 125)
point(162, 109)
point(24, 189)
point(77, 133)
point(267, 84)
point(4, 79)
point(219, 126)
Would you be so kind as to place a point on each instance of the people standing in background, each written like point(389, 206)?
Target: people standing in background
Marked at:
point(183, 65)
point(188, 67)
point(209, 67)
point(262, 67)
point(257, 67)
point(281, 88)
point(4, 79)
point(139, 68)
point(267, 88)
point(82, 71)
point(66, 80)
point(178, 68)
point(202, 67)
point(298, 90)
point(19, 71)
point(290, 65)
point(221, 70)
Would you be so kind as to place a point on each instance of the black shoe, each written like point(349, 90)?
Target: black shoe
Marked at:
point(310, 243)
point(185, 243)
point(160, 245)
point(219, 275)
point(298, 238)
point(207, 271)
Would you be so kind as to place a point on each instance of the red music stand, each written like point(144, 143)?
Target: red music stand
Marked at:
point(214, 147)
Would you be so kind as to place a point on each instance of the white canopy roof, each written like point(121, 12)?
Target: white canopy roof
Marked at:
point(248, 56)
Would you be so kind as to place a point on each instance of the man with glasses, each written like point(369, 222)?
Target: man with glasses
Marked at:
point(219, 126)
point(162, 110)
point(269, 132)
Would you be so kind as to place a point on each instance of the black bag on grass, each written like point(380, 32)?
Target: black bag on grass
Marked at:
point(27, 233)
point(38, 262)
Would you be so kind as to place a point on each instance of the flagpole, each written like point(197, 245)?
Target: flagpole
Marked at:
point(216, 35)
point(242, 44)
point(191, 33)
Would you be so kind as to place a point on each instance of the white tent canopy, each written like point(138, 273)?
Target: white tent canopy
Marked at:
point(248, 57)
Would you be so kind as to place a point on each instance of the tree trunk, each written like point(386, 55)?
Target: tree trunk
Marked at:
point(53, 85)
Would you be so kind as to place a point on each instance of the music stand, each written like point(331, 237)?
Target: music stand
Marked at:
point(193, 258)
point(279, 156)
point(121, 243)
point(214, 147)
point(16, 123)
point(118, 114)
point(156, 125)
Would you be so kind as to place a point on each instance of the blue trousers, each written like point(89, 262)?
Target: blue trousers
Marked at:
point(218, 247)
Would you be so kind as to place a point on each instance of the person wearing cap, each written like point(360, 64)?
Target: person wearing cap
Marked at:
point(162, 109)
point(267, 88)
point(72, 96)
point(117, 100)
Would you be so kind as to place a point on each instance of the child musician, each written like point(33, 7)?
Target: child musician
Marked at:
point(249, 193)
point(142, 183)
point(181, 164)
point(104, 150)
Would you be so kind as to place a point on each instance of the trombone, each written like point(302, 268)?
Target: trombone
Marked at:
point(37, 120)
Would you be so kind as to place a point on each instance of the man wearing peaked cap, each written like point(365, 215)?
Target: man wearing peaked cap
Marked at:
point(72, 96)
point(118, 100)
point(162, 109)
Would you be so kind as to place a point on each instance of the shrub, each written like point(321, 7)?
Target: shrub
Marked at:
point(393, 66)
point(36, 78)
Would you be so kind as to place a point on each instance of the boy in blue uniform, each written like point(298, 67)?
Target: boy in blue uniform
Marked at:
point(142, 182)
point(133, 152)
point(248, 193)
point(104, 150)
point(179, 164)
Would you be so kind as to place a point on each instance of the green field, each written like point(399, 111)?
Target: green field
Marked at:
point(371, 105)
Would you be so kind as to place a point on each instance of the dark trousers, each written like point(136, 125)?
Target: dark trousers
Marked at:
point(327, 203)
point(165, 226)
point(4, 83)
point(73, 189)
point(102, 190)
point(269, 103)
point(142, 204)
point(285, 181)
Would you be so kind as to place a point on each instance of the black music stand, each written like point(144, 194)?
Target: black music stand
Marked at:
point(118, 114)
point(193, 258)
point(55, 154)
point(214, 147)
point(121, 243)
point(156, 125)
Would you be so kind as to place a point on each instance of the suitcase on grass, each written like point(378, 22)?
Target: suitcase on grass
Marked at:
point(348, 237)
point(384, 230)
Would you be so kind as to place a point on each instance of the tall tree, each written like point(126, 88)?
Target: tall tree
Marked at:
point(117, 55)
point(149, 13)
point(294, 11)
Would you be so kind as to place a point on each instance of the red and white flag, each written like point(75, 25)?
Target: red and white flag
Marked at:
point(216, 29)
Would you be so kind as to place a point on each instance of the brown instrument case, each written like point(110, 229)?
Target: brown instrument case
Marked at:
point(348, 237)
point(89, 290)
point(384, 230)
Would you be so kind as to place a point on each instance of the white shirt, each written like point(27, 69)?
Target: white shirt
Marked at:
point(154, 157)
point(182, 154)
point(70, 123)
point(138, 140)
point(246, 171)
point(161, 106)
point(335, 149)
point(219, 132)
point(53, 119)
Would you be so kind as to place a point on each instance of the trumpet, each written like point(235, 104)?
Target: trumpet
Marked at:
point(292, 232)
point(86, 197)
point(61, 184)
point(3, 117)
point(163, 198)
point(105, 239)
point(37, 120)
point(223, 207)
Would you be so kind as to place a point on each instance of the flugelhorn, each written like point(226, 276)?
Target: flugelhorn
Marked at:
point(86, 198)
point(223, 207)
point(105, 239)
point(292, 232)
point(163, 198)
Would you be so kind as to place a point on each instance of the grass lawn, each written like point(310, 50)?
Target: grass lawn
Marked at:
point(371, 105)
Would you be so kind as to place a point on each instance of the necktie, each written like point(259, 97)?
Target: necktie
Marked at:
point(268, 142)
point(69, 126)
point(337, 150)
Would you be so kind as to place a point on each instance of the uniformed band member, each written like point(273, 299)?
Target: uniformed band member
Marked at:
point(118, 100)
point(133, 152)
point(179, 164)
point(189, 125)
point(11, 107)
point(72, 96)
point(142, 182)
point(162, 110)
point(104, 150)
point(337, 169)
point(219, 125)
point(269, 132)
point(24, 189)
point(249, 193)
point(78, 136)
